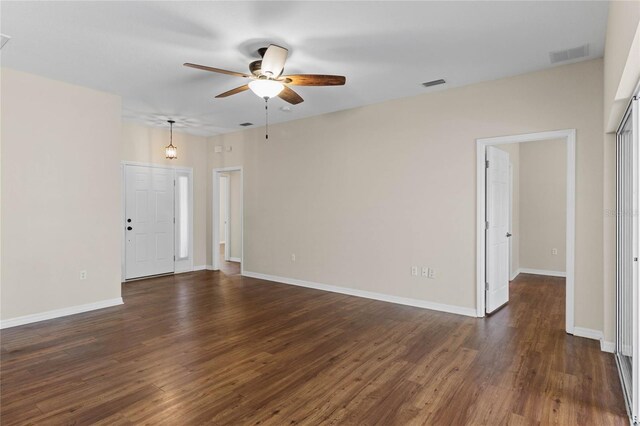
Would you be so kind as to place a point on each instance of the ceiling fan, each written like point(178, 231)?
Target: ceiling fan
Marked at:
point(267, 80)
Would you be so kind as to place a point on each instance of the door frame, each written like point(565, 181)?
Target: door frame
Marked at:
point(227, 213)
point(215, 217)
point(123, 211)
point(569, 135)
point(512, 272)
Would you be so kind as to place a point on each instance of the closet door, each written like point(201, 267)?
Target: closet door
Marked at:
point(627, 329)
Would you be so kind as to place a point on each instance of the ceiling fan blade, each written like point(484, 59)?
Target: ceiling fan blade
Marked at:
point(314, 80)
point(233, 91)
point(290, 96)
point(218, 70)
point(273, 61)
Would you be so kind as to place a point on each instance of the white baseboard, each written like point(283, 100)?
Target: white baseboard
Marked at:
point(542, 272)
point(235, 259)
point(200, 267)
point(606, 346)
point(460, 310)
point(57, 313)
point(210, 268)
point(515, 275)
point(588, 333)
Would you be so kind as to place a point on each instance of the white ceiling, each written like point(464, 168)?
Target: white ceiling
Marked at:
point(385, 49)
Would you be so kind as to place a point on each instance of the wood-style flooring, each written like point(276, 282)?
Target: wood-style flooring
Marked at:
point(211, 348)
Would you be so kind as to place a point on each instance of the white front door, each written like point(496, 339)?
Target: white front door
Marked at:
point(497, 218)
point(149, 221)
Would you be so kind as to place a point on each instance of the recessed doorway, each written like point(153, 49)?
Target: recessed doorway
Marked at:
point(227, 240)
point(493, 191)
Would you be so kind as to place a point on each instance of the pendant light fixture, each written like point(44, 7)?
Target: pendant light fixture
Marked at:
point(171, 152)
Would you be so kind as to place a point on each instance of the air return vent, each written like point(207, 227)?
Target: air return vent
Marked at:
point(246, 124)
point(434, 83)
point(3, 40)
point(569, 54)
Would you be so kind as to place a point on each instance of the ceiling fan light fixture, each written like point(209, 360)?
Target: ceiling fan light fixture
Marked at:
point(265, 88)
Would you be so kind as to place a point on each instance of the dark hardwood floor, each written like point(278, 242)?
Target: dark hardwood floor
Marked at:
point(210, 348)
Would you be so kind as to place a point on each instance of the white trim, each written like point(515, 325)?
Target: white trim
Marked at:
point(156, 166)
point(215, 217)
point(515, 275)
point(235, 259)
point(588, 333)
point(512, 273)
point(542, 272)
point(570, 136)
point(210, 268)
point(57, 313)
point(459, 310)
point(200, 268)
point(606, 346)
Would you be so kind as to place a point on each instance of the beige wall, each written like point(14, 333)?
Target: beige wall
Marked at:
point(146, 145)
point(361, 195)
point(543, 205)
point(621, 74)
point(513, 149)
point(622, 59)
point(235, 214)
point(60, 195)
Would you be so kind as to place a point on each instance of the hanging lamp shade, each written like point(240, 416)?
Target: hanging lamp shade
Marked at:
point(266, 88)
point(171, 152)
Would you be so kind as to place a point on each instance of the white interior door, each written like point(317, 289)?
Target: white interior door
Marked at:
point(497, 229)
point(149, 221)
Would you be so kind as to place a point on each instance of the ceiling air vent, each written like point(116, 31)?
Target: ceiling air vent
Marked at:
point(569, 54)
point(246, 124)
point(3, 40)
point(434, 83)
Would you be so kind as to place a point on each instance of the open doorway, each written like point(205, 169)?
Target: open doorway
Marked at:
point(526, 215)
point(227, 220)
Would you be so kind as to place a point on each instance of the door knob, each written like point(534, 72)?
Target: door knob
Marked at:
point(508, 234)
point(129, 228)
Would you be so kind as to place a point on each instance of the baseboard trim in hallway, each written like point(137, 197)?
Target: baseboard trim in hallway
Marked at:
point(460, 310)
point(545, 272)
point(57, 313)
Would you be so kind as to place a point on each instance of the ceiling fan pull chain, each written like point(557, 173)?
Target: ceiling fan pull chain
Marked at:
point(266, 112)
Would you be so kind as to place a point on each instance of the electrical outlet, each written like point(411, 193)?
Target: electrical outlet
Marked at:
point(425, 271)
point(293, 257)
point(414, 271)
point(83, 275)
point(431, 273)
point(554, 251)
